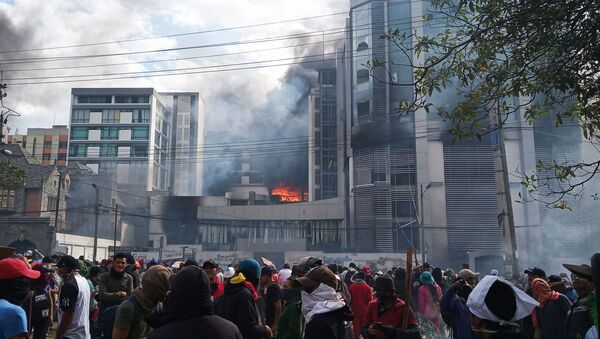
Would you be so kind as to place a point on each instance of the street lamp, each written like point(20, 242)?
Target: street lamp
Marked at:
point(422, 233)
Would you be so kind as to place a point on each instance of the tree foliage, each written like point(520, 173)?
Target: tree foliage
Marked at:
point(11, 177)
point(539, 58)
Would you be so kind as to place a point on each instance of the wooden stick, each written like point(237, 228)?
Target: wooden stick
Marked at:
point(408, 287)
point(31, 297)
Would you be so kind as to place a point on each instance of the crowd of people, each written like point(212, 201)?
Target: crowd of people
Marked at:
point(124, 298)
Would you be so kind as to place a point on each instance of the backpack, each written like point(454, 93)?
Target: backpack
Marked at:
point(106, 320)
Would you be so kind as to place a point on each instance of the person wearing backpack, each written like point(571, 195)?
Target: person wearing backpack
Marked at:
point(41, 304)
point(430, 294)
point(455, 311)
point(129, 317)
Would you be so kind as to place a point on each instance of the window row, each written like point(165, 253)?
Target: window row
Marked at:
point(139, 116)
point(107, 99)
point(99, 150)
point(109, 133)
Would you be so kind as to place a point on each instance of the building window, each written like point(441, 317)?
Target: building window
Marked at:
point(79, 133)
point(109, 133)
point(62, 156)
point(47, 144)
point(94, 99)
point(51, 204)
point(377, 176)
point(141, 116)
point(138, 133)
point(362, 76)
point(401, 209)
point(46, 156)
point(139, 151)
point(62, 144)
point(7, 198)
point(77, 150)
point(132, 99)
point(111, 116)
point(403, 179)
point(80, 116)
point(363, 108)
point(108, 150)
point(362, 46)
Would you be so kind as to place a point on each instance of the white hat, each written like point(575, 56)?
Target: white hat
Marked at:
point(494, 272)
point(478, 307)
point(229, 272)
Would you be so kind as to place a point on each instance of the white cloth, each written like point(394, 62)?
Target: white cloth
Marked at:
point(592, 333)
point(284, 274)
point(322, 300)
point(477, 306)
point(80, 326)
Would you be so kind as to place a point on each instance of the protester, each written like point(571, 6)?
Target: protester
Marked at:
point(468, 276)
point(93, 278)
point(496, 306)
point(284, 274)
point(238, 303)
point(188, 310)
point(227, 275)
point(348, 274)
point(129, 318)
point(74, 300)
point(291, 323)
point(438, 277)
point(270, 299)
point(534, 273)
point(115, 286)
point(14, 289)
point(211, 268)
point(429, 305)
point(327, 316)
point(550, 317)
point(455, 311)
point(558, 284)
point(132, 269)
point(579, 318)
point(361, 296)
point(368, 277)
point(41, 304)
point(400, 282)
point(385, 314)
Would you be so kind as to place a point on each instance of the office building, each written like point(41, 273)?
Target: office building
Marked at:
point(48, 145)
point(147, 141)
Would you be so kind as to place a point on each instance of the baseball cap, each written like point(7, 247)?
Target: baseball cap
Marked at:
point(536, 271)
point(490, 298)
point(11, 268)
point(583, 270)
point(554, 279)
point(210, 263)
point(467, 274)
point(316, 276)
point(68, 262)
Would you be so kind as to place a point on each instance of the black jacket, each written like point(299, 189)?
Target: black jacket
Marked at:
point(238, 306)
point(329, 325)
point(208, 326)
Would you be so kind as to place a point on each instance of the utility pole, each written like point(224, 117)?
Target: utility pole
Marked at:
point(115, 237)
point(57, 202)
point(96, 213)
point(422, 224)
point(505, 212)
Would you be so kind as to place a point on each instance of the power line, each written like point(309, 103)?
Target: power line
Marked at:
point(205, 31)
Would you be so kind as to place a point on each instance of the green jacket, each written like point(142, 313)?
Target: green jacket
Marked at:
point(108, 286)
point(291, 323)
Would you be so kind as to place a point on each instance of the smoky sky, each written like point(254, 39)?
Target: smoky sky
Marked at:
point(281, 114)
point(12, 38)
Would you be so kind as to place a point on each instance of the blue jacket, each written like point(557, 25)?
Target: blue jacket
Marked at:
point(456, 314)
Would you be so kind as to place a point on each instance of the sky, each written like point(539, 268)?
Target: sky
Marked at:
point(232, 98)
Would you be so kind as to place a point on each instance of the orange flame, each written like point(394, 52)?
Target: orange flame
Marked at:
point(289, 193)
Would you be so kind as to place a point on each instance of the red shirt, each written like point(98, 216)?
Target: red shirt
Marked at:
point(392, 317)
point(361, 296)
point(220, 289)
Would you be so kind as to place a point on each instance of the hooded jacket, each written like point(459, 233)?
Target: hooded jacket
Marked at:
point(238, 305)
point(329, 325)
point(291, 323)
point(188, 311)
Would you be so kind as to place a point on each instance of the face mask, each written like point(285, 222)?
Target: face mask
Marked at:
point(289, 293)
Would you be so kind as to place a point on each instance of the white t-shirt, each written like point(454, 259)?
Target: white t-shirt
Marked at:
point(75, 297)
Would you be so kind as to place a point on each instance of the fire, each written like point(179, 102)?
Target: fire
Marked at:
point(289, 193)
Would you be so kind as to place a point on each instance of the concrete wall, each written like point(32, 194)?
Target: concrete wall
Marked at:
point(76, 245)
